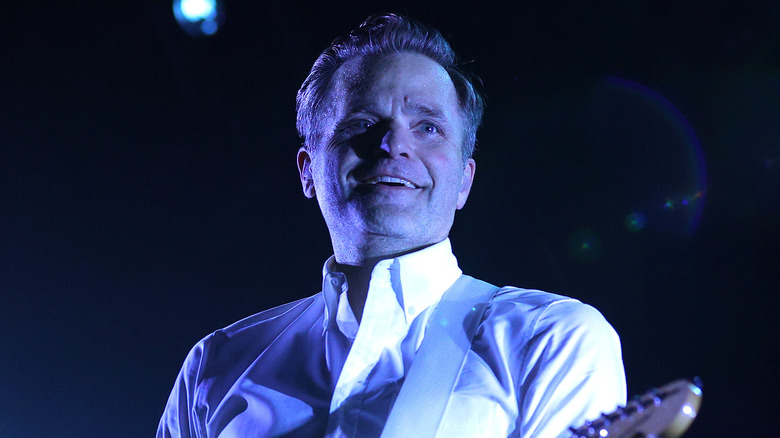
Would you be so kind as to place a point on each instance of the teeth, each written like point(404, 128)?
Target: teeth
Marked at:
point(391, 180)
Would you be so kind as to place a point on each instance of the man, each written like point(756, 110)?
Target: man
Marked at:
point(389, 124)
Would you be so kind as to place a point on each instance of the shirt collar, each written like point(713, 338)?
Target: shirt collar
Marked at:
point(419, 279)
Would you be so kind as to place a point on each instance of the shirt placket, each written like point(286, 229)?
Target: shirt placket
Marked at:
point(382, 325)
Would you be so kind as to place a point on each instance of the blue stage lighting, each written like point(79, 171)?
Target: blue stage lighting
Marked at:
point(198, 17)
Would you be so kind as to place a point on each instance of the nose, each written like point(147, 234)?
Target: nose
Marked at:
point(396, 141)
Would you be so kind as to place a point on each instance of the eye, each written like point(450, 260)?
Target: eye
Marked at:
point(354, 127)
point(428, 128)
point(361, 124)
point(358, 126)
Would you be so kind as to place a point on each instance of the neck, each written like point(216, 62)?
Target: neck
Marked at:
point(358, 278)
point(357, 265)
point(369, 251)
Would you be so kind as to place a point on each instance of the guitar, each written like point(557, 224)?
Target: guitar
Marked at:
point(665, 412)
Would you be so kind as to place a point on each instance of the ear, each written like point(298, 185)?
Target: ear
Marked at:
point(304, 170)
point(469, 169)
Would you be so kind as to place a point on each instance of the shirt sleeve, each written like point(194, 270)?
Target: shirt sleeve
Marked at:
point(178, 419)
point(572, 371)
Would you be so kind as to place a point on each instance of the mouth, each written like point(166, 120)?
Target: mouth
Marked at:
point(390, 181)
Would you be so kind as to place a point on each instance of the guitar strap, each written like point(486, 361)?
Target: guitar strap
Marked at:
point(420, 404)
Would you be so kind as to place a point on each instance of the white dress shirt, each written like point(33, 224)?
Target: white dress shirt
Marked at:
point(539, 362)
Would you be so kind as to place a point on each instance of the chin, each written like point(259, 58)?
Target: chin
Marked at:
point(419, 228)
point(402, 230)
point(413, 233)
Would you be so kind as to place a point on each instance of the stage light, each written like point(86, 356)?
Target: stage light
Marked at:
point(199, 17)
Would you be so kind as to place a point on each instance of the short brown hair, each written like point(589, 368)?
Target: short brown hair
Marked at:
point(381, 35)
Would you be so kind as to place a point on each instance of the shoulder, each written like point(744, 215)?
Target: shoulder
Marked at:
point(561, 332)
point(256, 332)
point(218, 360)
point(533, 315)
point(565, 358)
point(547, 308)
point(547, 305)
point(276, 316)
point(529, 298)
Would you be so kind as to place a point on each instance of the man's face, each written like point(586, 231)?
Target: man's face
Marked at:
point(389, 163)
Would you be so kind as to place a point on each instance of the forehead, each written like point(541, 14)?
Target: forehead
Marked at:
point(409, 77)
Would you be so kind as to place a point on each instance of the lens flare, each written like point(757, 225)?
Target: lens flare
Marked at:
point(585, 245)
point(635, 221)
point(651, 157)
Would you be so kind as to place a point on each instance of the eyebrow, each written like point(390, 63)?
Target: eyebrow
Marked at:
point(409, 108)
point(418, 108)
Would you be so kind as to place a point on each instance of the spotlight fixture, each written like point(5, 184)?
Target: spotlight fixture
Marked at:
point(199, 18)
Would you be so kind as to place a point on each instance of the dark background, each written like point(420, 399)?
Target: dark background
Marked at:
point(149, 193)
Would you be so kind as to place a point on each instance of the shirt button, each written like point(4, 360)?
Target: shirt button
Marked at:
point(410, 310)
point(334, 281)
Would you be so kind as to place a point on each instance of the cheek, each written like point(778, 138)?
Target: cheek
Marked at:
point(320, 172)
point(331, 170)
point(449, 175)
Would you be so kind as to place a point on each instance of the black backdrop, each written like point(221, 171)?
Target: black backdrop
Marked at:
point(629, 158)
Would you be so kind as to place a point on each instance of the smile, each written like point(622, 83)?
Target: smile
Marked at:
point(390, 180)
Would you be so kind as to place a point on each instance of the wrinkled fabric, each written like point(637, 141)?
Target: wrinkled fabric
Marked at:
point(539, 362)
